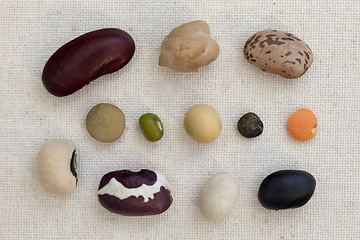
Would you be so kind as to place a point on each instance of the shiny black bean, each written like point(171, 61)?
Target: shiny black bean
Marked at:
point(286, 189)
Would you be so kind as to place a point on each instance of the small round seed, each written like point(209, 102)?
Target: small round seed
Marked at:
point(151, 127)
point(203, 123)
point(105, 122)
point(250, 125)
point(303, 125)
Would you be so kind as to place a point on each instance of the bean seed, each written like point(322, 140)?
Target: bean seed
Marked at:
point(250, 125)
point(86, 58)
point(135, 193)
point(303, 125)
point(105, 122)
point(218, 196)
point(202, 123)
point(279, 52)
point(188, 47)
point(286, 189)
point(151, 127)
point(56, 166)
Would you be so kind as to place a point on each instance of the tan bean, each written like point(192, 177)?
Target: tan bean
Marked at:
point(105, 122)
point(279, 52)
point(203, 123)
point(188, 47)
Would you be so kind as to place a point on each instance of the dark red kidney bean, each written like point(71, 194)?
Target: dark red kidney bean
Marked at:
point(286, 189)
point(135, 193)
point(86, 58)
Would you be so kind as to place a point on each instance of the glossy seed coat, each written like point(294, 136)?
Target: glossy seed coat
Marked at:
point(129, 193)
point(86, 58)
point(151, 127)
point(286, 189)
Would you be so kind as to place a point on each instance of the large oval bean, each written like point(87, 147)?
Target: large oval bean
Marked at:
point(286, 189)
point(135, 193)
point(86, 58)
point(279, 52)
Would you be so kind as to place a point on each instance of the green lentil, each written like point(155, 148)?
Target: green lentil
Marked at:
point(151, 127)
point(105, 122)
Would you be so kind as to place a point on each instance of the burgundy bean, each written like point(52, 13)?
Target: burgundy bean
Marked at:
point(135, 193)
point(86, 58)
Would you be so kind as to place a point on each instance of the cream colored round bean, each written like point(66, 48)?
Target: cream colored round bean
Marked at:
point(55, 166)
point(203, 123)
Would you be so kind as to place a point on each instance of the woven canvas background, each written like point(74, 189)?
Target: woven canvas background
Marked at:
point(32, 30)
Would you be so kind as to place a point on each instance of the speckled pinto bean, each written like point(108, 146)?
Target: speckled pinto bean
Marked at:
point(279, 52)
point(135, 193)
point(86, 58)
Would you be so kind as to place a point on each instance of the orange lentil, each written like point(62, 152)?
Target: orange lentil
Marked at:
point(303, 125)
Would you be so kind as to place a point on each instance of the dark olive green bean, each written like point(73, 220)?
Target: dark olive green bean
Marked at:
point(250, 125)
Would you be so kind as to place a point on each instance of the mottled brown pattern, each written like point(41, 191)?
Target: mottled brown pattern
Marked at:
point(270, 41)
point(249, 40)
point(256, 40)
point(278, 52)
point(288, 39)
point(293, 63)
point(307, 55)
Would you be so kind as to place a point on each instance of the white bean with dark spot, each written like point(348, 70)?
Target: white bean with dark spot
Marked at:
point(279, 52)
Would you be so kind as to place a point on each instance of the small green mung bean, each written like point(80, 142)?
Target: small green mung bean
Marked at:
point(250, 125)
point(151, 127)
